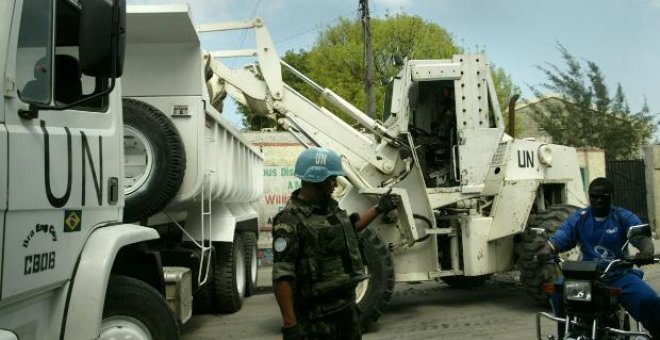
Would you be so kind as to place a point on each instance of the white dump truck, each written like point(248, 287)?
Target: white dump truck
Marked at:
point(472, 196)
point(188, 171)
point(110, 222)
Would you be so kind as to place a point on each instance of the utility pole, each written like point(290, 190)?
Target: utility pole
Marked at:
point(368, 59)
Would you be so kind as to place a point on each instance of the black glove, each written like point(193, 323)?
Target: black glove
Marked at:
point(387, 202)
point(545, 254)
point(294, 332)
point(646, 249)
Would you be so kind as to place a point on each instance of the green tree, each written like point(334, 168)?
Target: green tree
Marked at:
point(586, 115)
point(336, 60)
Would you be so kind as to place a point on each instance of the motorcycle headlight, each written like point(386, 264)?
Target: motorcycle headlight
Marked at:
point(577, 290)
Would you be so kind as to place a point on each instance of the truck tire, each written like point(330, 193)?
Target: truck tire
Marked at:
point(374, 294)
point(154, 163)
point(229, 275)
point(465, 282)
point(135, 310)
point(250, 249)
point(534, 275)
point(204, 297)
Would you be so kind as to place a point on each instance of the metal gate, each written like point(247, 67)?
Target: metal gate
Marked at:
point(629, 186)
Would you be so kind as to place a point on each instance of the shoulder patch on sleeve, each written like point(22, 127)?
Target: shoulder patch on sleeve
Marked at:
point(283, 227)
point(280, 244)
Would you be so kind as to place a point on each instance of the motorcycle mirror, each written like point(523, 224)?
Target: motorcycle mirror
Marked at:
point(637, 231)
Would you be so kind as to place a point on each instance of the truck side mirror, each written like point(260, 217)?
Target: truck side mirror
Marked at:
point(102, 37)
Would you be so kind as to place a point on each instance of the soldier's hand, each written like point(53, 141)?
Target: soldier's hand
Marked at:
point(387, 202)
point(294, 332)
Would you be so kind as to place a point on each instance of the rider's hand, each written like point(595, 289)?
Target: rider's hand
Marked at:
point(387, 202)
point(646, 249)
point(294, 332)
point(546, 253)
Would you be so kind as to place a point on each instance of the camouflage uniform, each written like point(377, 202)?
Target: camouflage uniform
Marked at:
point(317, 249)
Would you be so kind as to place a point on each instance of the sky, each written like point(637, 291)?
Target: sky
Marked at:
point(621, 36)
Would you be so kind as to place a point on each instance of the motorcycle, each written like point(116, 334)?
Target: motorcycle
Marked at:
point(585, 308)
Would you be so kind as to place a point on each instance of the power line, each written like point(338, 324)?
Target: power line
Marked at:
point(244, 33)
point(316, 28)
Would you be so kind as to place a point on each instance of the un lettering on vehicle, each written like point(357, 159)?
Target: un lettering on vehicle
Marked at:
point(87, 165)
point(526, 159)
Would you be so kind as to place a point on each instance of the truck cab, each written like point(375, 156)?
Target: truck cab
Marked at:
point(69, 267)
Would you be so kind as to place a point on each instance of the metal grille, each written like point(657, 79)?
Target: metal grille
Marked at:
point(178, 291)
point(629, 186)
point(498, 157)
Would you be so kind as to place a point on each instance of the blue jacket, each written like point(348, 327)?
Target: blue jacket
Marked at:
point(599, 240)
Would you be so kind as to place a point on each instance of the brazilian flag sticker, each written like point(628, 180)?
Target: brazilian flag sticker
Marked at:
point(72, 220)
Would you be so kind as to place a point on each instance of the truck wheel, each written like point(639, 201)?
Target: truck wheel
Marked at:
point(135, 310)
point(229, 275)
point(154, 160)
point(250, 249)
point(373, 295)
point(463, 282)
point(534, 275)
point(204, 298)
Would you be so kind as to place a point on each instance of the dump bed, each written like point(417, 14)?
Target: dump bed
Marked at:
point(164, 68)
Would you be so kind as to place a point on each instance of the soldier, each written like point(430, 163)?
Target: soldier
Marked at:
point(317, 261)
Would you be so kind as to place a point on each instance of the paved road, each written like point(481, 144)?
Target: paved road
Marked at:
point(431, 310)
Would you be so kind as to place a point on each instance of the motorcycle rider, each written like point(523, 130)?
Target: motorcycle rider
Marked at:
point(600, 229)
point(317, 261)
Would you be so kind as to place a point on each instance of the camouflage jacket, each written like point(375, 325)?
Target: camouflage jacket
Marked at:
point(317, 248)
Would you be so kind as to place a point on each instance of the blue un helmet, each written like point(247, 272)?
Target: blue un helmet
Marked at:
point(316, 164)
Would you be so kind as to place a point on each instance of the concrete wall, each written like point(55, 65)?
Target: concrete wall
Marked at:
point(592, 164)
point(652, 162)
point(280, 151)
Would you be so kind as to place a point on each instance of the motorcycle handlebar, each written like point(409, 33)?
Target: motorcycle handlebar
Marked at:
point(630, 262)
point(546, 258)
point(643, 261)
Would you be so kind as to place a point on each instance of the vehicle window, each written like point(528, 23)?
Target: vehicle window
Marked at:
point(70, 84)
point(34, 56)
point(49, 71)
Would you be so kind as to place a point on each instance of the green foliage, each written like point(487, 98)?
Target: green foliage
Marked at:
point(584, 114)
point(336, 60)
point(505, 89)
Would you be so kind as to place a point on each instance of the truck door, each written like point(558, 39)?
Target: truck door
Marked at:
point(456, 124)
point(478, 122)
point(6, 10)
point(63, 165)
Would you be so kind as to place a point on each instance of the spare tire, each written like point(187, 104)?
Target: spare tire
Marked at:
point(154, 160)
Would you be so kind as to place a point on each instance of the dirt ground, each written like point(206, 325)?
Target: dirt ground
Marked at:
point(431, 310)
